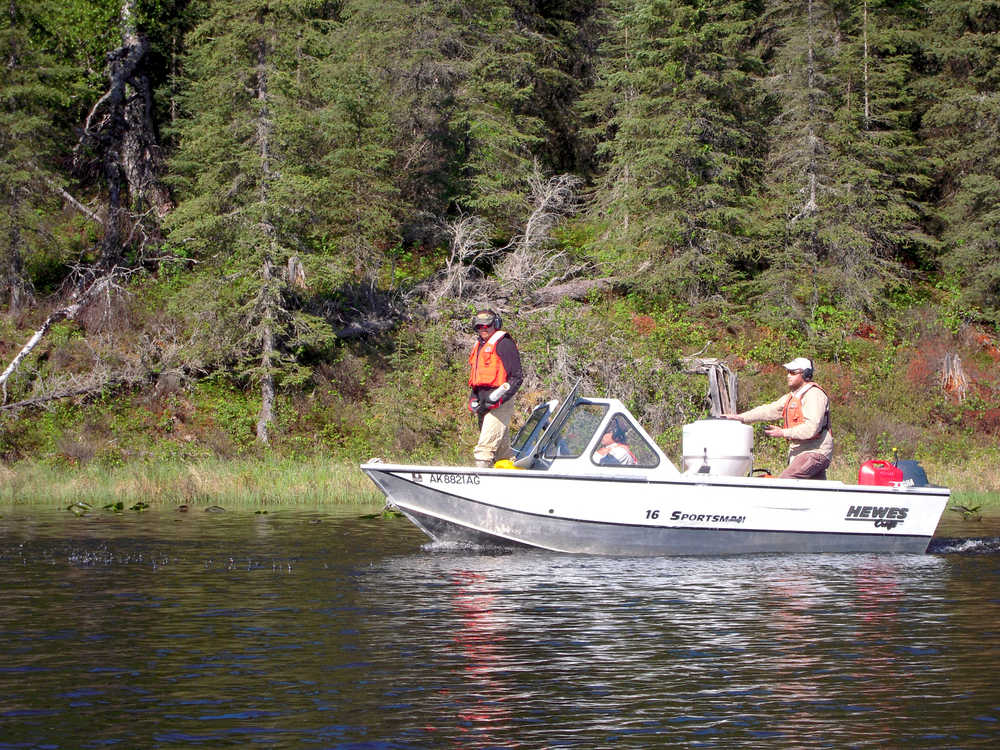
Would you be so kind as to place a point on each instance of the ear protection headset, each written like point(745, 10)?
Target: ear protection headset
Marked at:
point(617, 430)
point(487, 317)
point(807, 373)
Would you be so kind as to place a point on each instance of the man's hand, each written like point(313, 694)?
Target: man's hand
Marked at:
point(772, 430)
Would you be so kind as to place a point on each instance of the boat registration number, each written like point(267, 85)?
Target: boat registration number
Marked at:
point(454, 478)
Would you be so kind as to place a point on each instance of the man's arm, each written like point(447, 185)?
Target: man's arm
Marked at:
point(511, 358)
point(765, 413)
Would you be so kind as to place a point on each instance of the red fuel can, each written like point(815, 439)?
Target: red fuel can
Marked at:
point(879, 472)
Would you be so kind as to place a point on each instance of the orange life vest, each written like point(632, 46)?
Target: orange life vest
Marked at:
point(486, 369)
point(618, 451)
point(792, 413)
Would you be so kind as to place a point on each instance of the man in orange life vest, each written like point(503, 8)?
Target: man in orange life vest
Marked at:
point(805, 415)
point(494, 363)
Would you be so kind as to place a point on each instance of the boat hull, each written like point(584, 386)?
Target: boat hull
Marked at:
point(634, 516)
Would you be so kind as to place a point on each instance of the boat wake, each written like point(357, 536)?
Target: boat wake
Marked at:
point(967, 546)
point(938, 546)
point(473, 548)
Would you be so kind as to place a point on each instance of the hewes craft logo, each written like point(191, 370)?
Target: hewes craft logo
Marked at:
point(884, 517)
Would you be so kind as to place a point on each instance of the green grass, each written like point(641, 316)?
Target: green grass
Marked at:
point(988, 500)
point(241, 482)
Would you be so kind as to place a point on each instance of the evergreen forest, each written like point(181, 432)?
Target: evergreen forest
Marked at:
point(238, 228)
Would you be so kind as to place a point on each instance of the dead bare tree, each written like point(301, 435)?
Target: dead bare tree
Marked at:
point(121, 130)
point(953, 377)
point(469, 244)
point(527, 261)
point(721, 396)
point(533, 258)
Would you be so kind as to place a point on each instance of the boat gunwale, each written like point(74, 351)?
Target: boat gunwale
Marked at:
point(815, 485)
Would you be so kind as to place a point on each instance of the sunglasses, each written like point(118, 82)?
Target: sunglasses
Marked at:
point(482, 328)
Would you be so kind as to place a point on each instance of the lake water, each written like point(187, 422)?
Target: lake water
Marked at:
point(307, 628)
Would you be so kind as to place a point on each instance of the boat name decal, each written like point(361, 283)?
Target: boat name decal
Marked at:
point(884, 517)
point(706, 517)
point(454, 479)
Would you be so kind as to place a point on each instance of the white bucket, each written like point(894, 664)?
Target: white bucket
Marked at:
point(725, 446)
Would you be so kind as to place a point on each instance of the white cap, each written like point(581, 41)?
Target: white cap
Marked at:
point(799, 363)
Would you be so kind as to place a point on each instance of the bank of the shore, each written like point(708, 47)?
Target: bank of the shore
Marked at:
point(243, 483)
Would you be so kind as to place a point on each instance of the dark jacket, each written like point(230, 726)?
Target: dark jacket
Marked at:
point(511, 358)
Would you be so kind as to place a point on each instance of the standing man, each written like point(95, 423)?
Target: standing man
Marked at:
point(494, 376)
point(805, 415)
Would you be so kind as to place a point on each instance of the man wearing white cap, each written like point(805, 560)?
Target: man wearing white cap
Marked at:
point(805, 415)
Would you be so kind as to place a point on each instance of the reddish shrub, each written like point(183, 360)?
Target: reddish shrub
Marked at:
point(921, 371)
point(866, 331)
point(989, 421)
point(644, 325)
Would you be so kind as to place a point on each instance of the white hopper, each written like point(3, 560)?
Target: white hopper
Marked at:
point(724, 446)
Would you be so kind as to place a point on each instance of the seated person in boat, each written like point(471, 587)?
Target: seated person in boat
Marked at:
point(805, 422)
point(613, 450)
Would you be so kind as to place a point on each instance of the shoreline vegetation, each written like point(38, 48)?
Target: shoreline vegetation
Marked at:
point(281, 483)
point(232, 483)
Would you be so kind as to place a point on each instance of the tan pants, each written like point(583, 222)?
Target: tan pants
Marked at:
point(494, 434)
point(808, 465)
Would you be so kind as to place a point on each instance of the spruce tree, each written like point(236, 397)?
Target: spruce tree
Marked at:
point(35, 89)
point(362, 206)
point(678, 116)
point(876, 238)
point(843, 169)
point(959, 128)
point(457, 82)
point(255, 184)
point(493, 121)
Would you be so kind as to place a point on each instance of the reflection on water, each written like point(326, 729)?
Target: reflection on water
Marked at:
point(297, 628)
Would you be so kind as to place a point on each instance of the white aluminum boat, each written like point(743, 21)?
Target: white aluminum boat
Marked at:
point(565, 494)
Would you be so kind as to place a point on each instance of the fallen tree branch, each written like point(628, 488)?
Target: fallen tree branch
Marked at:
point(365, 327)
point(99, 285)
point(69, 393)
point(68, 197)
point(577, 289)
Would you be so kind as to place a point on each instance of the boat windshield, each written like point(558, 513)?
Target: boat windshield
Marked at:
point(574, 436)
point(528, 435)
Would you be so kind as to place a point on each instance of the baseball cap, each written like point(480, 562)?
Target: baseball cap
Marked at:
point(483, 318)
point(799, 363)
